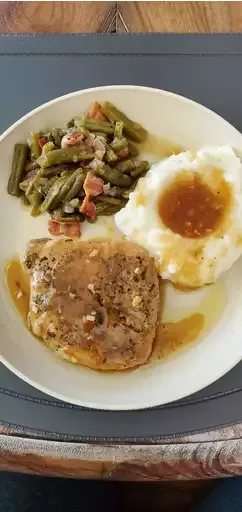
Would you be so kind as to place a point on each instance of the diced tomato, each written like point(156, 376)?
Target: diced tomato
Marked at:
point(42, 141)
point(54, 227)
point(88, 208)
point(93, 186)
point(71, 229)
point(95, 112)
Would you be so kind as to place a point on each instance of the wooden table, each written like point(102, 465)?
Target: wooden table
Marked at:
point(82, 17)
point(209, 455)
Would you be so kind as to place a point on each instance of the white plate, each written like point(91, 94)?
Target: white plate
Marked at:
point(217, 350)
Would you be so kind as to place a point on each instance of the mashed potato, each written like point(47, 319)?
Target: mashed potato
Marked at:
point(187, 213)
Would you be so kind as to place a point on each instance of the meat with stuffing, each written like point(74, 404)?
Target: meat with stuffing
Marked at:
point(95, 304)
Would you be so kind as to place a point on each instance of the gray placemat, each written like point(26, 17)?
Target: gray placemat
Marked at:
point(35, 69)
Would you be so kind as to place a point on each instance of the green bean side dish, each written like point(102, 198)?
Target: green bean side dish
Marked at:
point(49, 171)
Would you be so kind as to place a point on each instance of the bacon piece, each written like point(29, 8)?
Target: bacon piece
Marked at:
point(93, 186)
point(71, 229)
point(54, 227)
point(95, 112)
point(89, 141)
point(123, 153)
point(42, 141)
point(72, 139)
point(88, 208)
point(99, 144)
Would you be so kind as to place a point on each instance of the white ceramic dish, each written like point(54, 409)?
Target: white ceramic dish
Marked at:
point(219, 347)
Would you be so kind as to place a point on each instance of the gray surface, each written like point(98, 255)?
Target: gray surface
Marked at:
point(35, 69)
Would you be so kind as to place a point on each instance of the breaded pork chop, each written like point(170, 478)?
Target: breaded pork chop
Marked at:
point(94, 303)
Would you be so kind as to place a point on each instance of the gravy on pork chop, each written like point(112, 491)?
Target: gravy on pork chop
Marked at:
point(94, 303)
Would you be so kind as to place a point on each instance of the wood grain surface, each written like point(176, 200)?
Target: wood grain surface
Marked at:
point(52, 17)
point(179, 16)
point(203, 456)
point(86, 17)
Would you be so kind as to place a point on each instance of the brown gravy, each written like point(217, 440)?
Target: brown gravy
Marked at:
point(173, 336)
point(18, 286)
point(191, 209)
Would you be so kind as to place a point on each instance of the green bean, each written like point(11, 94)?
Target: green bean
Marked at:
point(48, 146)
point(18, 167)
point(34, 183)
point(76, 188)
point(109, 209)
point(45, 187)
point(52, 193)
point(109, 199)
point(95, 125)
point(114, 176)
point(119, 144)
point(56, 170)
point(110, 156)
point(34, 145)
point(31, 165)
point(58, 213)
point(35, 198)
point(75, 217)
point(125, 166)
point(78, 124)
point(118, 130)
point(35, 212)
point(24, 184)
point(25, 200)
point(61, 216)
point(67, 186)
point(62, 156)
point(133, 187)
point(56, 134)
point(140, 169)
point(134, 130)
point(133, 150)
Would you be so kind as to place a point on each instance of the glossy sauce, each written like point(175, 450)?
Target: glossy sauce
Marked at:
point(159, 147)
point(172, 336)
point(191, 209)
point(18, 286)
point(175, 336)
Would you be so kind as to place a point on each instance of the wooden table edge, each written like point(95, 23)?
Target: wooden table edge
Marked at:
point(183, 461)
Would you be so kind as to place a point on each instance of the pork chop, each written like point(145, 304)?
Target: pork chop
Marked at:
point(94, 303)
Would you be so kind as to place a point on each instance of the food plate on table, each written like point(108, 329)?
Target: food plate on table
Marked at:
point(124, 205)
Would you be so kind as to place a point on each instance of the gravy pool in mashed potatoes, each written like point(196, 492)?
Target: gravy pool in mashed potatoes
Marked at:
point(187, 213)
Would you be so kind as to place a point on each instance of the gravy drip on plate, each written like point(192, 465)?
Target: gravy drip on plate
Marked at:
point(159, 147)
point(172, 336)
point(191, 209)
point(18, 285)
